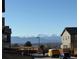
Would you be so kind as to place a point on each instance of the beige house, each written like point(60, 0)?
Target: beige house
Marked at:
point(69, 39)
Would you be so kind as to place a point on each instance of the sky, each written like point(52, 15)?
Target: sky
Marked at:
point(33, 17)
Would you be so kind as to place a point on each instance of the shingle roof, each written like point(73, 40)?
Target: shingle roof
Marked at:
point(71, 30)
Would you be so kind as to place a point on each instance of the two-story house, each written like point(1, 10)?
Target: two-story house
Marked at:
point(69, 39)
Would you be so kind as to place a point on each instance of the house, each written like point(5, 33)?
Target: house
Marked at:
point(69, 39)
point(6, 35)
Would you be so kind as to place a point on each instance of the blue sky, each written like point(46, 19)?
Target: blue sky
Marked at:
point(33, 17)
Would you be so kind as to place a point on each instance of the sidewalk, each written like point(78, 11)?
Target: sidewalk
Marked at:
point(73, 57)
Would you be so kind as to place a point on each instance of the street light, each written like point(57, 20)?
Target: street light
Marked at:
point(38, 40)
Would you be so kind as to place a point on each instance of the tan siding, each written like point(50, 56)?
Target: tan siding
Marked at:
point(66, 39)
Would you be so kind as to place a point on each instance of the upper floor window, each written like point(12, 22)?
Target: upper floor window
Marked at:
point(68, 37)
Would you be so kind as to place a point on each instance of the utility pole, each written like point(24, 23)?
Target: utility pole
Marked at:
point(38, 41)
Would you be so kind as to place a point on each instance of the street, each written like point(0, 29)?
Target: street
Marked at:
point(54, 58)
point(47, 58)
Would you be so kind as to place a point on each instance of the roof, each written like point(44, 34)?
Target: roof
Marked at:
point(71, 30)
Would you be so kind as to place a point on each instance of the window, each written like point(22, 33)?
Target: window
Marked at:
point(63, 38)
point(68, 37)
point(4, 37)
point(65, 46)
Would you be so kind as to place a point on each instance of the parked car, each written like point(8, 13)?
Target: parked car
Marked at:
point(66, 56)
point(61, 55)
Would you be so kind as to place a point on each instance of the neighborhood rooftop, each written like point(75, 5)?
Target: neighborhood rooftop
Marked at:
point(71, 30)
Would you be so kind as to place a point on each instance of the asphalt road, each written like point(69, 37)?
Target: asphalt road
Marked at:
point(47, 58)
point(53, 58)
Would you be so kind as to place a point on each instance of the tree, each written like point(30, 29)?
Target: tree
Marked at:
point(15, 45)
point(42, 47)
point(28, 43)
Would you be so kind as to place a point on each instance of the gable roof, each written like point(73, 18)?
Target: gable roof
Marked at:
point(71, 30)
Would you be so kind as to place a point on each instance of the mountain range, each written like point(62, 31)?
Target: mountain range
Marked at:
point(44, 39)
